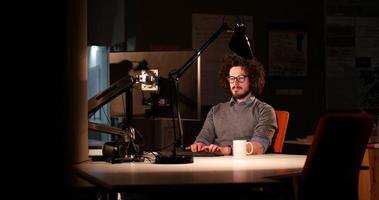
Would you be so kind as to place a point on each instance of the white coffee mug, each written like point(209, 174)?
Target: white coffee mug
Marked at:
point(239, 148)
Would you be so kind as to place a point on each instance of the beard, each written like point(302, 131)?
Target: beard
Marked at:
point(242, 95)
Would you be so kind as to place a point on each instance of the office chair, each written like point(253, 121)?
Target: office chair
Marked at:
point(331, 170)
point(282, 118)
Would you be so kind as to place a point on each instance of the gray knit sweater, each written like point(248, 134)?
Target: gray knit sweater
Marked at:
point(250, 120)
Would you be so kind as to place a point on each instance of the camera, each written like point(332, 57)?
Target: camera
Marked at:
point(123, 149)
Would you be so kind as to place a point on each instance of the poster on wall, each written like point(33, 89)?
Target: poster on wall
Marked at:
point(352, 55)
point(287, 52)
point(367, 61)
point(352, 63)
point(340, 73)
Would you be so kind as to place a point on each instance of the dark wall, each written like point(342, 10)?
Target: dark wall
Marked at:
point(106, 23)
point(167, 24)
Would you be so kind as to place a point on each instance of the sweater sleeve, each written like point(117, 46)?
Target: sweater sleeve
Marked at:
point(266, 126)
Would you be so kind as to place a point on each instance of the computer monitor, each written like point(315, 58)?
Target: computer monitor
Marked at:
point(151, 104)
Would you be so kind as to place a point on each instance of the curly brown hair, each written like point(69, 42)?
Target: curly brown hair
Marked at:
point(254, 68)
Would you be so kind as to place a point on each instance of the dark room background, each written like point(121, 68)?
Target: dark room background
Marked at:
point(142, 25)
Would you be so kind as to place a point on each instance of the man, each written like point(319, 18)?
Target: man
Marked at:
point(244, 116)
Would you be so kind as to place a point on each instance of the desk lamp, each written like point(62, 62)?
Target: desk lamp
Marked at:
point(239, 44)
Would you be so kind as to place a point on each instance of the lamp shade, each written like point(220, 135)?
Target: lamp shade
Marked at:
point(240, 43)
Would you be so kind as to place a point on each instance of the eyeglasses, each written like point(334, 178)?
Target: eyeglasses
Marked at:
point(240, 78)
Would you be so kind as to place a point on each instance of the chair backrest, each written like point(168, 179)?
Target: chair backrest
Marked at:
point(334, 159)
point(282, 118)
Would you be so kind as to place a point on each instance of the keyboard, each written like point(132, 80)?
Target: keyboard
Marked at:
point(199, 154)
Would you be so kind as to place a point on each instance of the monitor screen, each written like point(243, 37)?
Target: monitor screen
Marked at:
point(155, 104)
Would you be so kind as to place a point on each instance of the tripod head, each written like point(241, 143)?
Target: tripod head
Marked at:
point(124, 148)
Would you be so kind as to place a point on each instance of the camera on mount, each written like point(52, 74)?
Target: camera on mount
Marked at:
point(114, 151)
point(123, 149)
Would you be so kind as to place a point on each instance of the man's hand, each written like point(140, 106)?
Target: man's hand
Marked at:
point(216, 148)
point(198, 146)
point(226, 150)
point(257, 147)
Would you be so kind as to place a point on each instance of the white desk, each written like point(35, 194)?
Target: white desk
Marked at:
point(210, 171)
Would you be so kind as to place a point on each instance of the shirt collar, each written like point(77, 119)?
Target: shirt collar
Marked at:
point(246, 103)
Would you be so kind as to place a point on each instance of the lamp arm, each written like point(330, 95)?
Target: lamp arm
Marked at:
point(176, 74)
point(107, 129)
point(107, 95)
point(174, 77)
